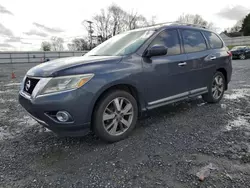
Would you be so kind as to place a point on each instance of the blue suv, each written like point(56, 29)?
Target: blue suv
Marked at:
point(109, 87)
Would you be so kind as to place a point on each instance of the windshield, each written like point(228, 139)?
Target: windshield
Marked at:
point(122, 44)
point(238, 47)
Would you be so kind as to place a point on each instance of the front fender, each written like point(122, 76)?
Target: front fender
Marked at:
point(106, 87)
point(129, 72)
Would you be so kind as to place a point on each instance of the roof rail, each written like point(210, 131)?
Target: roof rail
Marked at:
point(173, 23)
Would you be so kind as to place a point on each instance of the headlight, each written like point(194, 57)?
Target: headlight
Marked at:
point(65, 83)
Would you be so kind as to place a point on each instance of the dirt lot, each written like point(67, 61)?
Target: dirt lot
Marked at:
point(167, 149)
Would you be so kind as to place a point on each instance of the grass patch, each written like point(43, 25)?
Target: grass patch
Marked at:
point(231, 46)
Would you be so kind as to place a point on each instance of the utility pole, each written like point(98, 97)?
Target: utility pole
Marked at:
point(90, 31)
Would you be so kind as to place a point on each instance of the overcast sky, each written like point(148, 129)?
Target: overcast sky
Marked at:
point(24, 24)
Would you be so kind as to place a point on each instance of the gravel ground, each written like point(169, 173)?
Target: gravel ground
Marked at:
point(169, 147)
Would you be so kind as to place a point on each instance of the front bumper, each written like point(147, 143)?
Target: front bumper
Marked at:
point(75, 102)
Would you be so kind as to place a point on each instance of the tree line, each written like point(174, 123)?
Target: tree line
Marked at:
point(242, 25)
point(112, 21)
point(106, 24)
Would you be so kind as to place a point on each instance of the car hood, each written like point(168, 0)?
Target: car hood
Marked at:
point(50, 68)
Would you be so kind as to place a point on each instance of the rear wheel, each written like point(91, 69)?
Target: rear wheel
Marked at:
point(115, 116)
point(242, 56)
point(215, 89)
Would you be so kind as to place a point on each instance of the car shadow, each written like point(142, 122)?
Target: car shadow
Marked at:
point(50, 150)
point(168, 110)
point(90, 142)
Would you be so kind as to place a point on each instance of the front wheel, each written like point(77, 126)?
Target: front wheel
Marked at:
point(215, 89)
point(242, 56)
point(115, 116)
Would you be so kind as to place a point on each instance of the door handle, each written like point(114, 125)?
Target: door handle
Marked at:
point(182, 64)
point(212, 57)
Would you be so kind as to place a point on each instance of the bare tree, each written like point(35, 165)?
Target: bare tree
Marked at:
point(46, 46)
point(117, 18)
point(194, 19)
point(71, 47)
point(79, 44)
point(134, 20)
point(57, 43)
point(102, 24)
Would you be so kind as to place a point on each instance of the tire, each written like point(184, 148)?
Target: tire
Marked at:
point(110, 123)
point(242, 56)
point(210, 97)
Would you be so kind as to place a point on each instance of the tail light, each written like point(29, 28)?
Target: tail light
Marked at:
point(229, 53)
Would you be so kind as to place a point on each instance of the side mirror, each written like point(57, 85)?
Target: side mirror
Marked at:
point(156, 51)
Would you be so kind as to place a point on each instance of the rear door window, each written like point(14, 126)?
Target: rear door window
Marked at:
point(169, 39)
point(213, 40)
point(193, 41)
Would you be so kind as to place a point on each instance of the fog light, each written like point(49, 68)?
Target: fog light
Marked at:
point(62, 116)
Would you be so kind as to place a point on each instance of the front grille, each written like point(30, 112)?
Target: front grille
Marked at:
point(30, 84)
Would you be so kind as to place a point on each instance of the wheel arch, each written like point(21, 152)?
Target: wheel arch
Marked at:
point(224, 72)
point(128, 87)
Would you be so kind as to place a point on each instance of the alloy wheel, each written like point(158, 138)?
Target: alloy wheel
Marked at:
point(242, 57)
point(118, 116)
point(217, 87)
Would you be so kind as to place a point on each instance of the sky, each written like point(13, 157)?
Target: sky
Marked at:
point(24, 24)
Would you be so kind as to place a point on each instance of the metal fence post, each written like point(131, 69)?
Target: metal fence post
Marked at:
point(11, 58)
